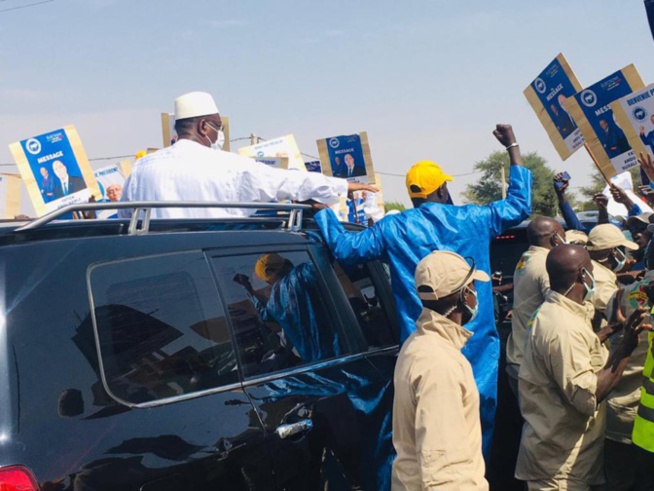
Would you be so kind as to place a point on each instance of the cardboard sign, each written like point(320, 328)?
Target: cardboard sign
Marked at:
point(284, 146)
point(170, 135)
point(635, 115)
point(313, 166)
point(111, 183)
point(55, 170)
point(591, 109)
point(126, 167)
point(348, 157)
point(9, 195)
point(168, 129)
point(275, 162)
point(547, 95)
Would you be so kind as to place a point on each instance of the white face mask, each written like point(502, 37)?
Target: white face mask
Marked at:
point(473, 311)
point(220, 140)
point(620, 259)
point(590, 290)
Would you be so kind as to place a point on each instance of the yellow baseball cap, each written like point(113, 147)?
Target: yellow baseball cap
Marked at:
point(427, 176)
point(266, 261)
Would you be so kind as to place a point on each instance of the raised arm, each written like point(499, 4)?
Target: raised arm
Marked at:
point(350, 247)
point(568, 214)
point(516, 207)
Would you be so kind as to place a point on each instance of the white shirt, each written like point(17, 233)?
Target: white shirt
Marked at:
point(188, 171)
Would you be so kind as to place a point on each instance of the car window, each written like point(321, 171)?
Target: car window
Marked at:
point(161, 328)
point(366, 303)
point(278, 311)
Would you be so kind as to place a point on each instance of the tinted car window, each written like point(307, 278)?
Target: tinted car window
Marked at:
point(277, 306)
point(366, 303)
point(161, 328)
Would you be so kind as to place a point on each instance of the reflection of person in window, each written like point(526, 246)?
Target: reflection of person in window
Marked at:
point(613, 139)
point(47, 185)
point(67, 184)
point(648, 139)
point(295, 304)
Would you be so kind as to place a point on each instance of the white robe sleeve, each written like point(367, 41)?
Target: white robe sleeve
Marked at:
point(262, 183)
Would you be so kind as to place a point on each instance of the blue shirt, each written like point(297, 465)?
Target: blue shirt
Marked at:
point(404, 239)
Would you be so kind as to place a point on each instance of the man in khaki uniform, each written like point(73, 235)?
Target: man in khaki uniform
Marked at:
point(530, 285)
point(621, 463)
point(563, 378)
point(603, 246)
point(436, 425)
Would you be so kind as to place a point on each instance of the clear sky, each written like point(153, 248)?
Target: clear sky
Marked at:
point(425, 79)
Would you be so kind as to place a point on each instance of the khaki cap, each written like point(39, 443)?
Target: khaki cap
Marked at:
point(576, 237)
point(608, 236)
point(442, 273)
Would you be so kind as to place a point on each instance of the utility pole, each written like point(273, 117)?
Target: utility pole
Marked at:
point(253, 139)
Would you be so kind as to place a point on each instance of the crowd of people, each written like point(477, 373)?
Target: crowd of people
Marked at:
point(578, 369)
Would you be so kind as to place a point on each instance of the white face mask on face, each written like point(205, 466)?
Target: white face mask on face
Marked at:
point(220, 139)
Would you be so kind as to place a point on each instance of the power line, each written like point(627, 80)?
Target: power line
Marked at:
point(26, 6)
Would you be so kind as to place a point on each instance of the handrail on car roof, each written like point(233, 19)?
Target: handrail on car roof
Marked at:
point(141, 211)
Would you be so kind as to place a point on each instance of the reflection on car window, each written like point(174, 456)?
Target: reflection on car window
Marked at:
point(161, 328)
point(366, 303)
point(279, 315)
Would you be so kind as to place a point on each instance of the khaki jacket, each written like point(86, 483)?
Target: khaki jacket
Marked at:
point(530, 285)
point(622, 402)
point(563, 434)
point(436, 427)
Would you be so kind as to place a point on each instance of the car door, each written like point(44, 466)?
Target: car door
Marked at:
point(305, 365)
point(172, 390)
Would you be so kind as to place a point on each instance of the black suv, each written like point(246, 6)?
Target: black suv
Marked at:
point(190, 355)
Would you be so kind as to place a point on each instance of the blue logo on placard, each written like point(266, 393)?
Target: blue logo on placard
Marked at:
point(259, 153)
point(639, 113)
point(540, 85)
point(334, 143)
point(33, 146)
point(589, 98)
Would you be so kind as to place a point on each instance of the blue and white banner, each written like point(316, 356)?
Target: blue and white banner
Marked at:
point(55, 169)
point(591, 108)
point(111, 182)
point(347, 157)
point(548, 95)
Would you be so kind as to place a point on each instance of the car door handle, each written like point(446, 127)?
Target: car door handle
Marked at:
point(285, 431)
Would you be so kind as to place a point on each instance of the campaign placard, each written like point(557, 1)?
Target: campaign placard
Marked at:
point(635, 115)
point(111, 182)
point(126, 167)
point(591, 109)
point(9, 195)
point(55, 170)
point(168, 129)
point(313, 166)
point(284, 146)
point(547, 95)
point(348, 157)
point(275, 162)
point(170, 135)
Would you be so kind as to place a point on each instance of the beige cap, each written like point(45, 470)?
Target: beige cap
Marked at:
point(442, 273)
point(643, 218)
point(194, 104)
point(608, 236)
point(576, 237)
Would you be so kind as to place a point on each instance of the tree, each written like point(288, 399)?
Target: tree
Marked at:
point(394, 205)
point(488, 188)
